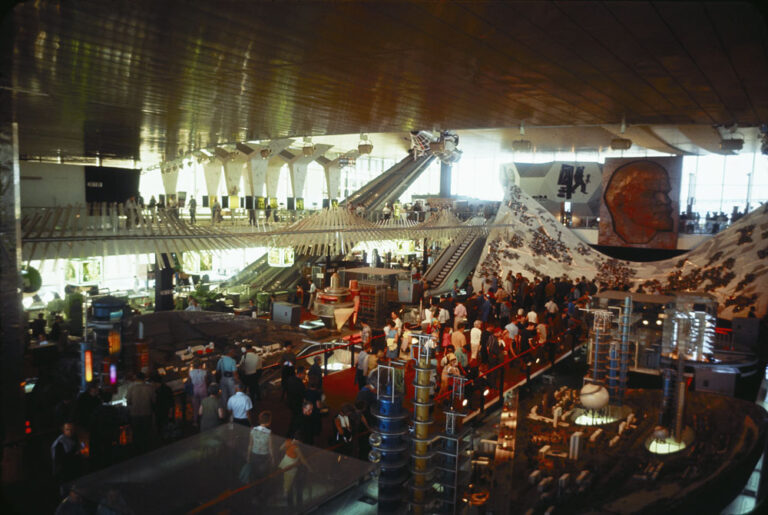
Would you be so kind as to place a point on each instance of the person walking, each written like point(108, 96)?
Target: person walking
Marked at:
point(163, 406)
point(361, 367)
point(261, 452)
point(294, 467)
point(294, 388)
point(198, 378)
point(140, 399)
point(65, 457)
point(312, 422)
point(210, 412)
point(192, 210)
point(288, 364)
point(251, 366)
point(226, 368)
point(240, 406)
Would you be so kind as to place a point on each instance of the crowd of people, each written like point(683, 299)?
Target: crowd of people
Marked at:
point(472, 336)
point(510, 323)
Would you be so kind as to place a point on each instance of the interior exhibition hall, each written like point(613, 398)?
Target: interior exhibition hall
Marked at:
point(383, 257)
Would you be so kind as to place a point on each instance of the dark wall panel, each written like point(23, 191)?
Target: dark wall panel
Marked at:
point(105, 184)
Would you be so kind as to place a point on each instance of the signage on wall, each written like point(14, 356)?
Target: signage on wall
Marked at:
point(280, 257)
point(299, 204)
point(640, 202)
point(261, 203)
point(273, 202)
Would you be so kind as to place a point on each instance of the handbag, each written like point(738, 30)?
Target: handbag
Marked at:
point(245, 473)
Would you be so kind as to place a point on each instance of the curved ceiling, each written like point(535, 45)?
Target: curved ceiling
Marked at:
point(147, 78)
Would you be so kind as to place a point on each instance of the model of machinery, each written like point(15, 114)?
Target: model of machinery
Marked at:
point(335, 304)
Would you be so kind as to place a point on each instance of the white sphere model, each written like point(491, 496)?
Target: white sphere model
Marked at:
point(594, 396)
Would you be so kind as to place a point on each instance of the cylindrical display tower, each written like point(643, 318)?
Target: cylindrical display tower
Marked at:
point(393, 428)
point(421, 456)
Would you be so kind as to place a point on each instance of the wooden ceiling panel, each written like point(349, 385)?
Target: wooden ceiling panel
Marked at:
point(607, 46)
point(183, 74)
point(693, 28)
point(745, 40)
point(644, 24)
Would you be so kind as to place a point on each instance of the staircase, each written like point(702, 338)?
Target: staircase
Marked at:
point(458, 251)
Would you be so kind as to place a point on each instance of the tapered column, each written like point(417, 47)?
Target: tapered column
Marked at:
point(298, 166)
point(11, 320)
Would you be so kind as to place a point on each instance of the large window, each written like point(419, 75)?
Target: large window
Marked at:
point(715, 183)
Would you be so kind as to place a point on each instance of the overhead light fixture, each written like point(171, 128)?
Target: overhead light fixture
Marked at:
point(364, 146)
point(245, 149)
point(308, 148)
point(221, 153)
point(522, 144)
point(265, 152)
point(206, 152)
point(621, 143)
point(731, 144)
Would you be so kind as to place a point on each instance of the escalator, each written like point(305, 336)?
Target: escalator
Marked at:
point(387, 187)
point(249, 274)
point(285, 278)
point(455, 262)
point(260, 275)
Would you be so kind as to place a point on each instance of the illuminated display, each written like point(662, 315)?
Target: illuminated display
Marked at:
point(88, 364)
point(280, 257)
point(114, 342)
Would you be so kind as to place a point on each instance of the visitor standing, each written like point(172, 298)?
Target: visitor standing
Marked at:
point(251, 366)
point(192, 210)
point(240, 406)
point(226, 368)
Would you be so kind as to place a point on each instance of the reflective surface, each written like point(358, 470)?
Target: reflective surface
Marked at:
point(151, 79)
point(202, 474)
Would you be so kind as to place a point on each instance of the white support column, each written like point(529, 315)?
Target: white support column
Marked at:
point(258, 165)
point(273, 175)
point(233, 171)
point(333, 172)
point(298, 168)
point(212, 170)
point(170, 177)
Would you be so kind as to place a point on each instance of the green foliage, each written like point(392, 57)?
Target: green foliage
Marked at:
point(207, 299)
point(31, 279)
point(56, 306)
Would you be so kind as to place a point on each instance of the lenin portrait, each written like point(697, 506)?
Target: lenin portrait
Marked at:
point(640, 205)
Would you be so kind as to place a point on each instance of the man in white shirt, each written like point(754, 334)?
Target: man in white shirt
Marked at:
point(459, 314)
point(428, 315)
point(398, 324)
point(551, 307)
point(251, 364)
point(532, 317)
point(240, 406)
point(443, 316)
point(312, 294)
point(362, 367)
point(474, 340)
